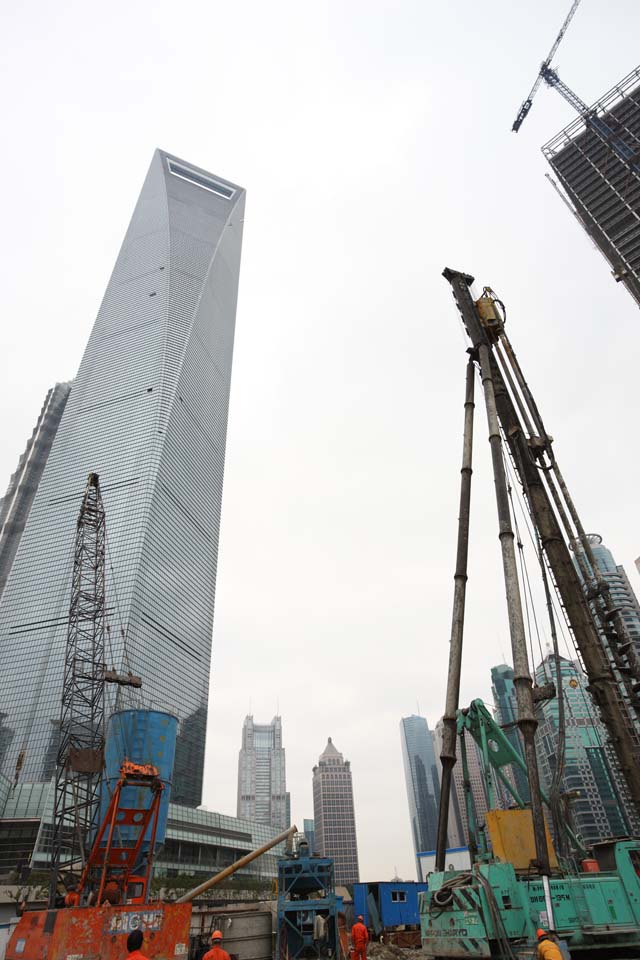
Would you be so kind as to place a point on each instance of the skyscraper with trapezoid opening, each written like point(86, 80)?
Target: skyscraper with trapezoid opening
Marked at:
point(148, 413)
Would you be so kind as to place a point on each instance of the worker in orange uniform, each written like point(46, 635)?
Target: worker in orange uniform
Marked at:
point(72, 897)
point(216, 952)
point(134, 942)
point(359, 939)
point(547, 949)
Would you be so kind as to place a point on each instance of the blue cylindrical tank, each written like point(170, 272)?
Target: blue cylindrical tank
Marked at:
point(142, 736)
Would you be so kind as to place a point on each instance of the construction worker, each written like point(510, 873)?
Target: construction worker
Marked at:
point(547, 949)
point(216, 952)
point(359, 939)
point(72, 897)
point(134, 942)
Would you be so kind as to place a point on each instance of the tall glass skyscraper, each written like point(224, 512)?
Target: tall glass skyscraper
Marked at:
point(262, 779)
point(148, 413)
point(334, 814)
point(423, 783)
point(601, 807)
point(16, 503)
point(622, 593)
point(506, 709)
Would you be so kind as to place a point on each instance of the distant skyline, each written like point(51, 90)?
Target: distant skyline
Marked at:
point(355, 129)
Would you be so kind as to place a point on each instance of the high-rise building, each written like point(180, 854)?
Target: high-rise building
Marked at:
point(16, 503)
point(422, 781)
point(622, 593)
point(596, 163)
point(506, 711)
point(601, 807)
point(476, 783)
point(455, 833)
point(334, 814)
point(262, 780)
point(309, 830)
point(148, 413)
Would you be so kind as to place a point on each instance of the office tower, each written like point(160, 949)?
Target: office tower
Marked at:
point(622, 593)
point(476, 782)
point(148, 413)
point(422, 781)
point(334, 815)
point(597, 165)
point(16, 503)
point(309, 830)
point(262, 781)
point(506, 712)
point(601, 807)
point(455, 833)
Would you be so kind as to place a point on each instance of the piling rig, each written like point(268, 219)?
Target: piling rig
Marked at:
point(495, 908)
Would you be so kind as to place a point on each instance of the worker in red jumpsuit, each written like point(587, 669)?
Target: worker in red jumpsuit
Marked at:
point(216, 952)
point(134, 942)
point(72, 898)
point(359, 939)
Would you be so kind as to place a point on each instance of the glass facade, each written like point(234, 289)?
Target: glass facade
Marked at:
point(262, 779)
point(16, 503)
point(198, 842)
point(148, 413)
point(506, 711)
point(476, 782)
point(422, 780)
point(334, 814)
point(622, 593)
point(601, 808)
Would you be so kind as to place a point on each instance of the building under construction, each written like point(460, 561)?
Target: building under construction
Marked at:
point(597, 161)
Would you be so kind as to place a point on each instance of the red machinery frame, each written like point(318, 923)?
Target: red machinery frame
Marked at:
point(113, 860)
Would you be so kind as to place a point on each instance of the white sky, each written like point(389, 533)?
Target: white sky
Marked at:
point(374, 142)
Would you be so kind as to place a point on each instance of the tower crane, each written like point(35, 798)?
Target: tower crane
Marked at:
point(550, 77)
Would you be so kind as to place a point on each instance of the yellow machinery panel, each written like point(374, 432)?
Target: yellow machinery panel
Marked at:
point(511, 836)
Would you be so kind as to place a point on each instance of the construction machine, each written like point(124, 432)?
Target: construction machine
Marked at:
point(102, 862)
point(115, 895)
point(517, 882)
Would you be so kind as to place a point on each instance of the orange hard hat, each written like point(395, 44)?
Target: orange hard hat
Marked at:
point(540, 933)
point(216, 935)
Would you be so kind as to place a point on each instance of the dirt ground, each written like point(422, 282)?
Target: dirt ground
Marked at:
point(387, 951)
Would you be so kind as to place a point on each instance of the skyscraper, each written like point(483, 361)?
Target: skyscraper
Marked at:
point(148, 413)
point(601, 807)
point(506, 709)
point(455, 833)
point(262, 782)
point(422, 781)
point(622, 593)
point(476, 782)
point(334, 814)
point(16, 503)
point(596, 163)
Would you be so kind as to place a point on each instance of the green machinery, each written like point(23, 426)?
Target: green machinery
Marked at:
point(516, 883)
point(495, 908)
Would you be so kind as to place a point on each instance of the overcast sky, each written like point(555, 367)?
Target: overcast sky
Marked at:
point(374, 142)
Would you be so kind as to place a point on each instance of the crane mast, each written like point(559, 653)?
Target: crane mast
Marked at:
point(81, 747)
point(597, 623)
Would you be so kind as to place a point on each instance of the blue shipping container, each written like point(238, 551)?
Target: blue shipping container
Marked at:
point(396, 904)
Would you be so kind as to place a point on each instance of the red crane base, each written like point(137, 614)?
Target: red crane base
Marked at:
point(100, 933)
